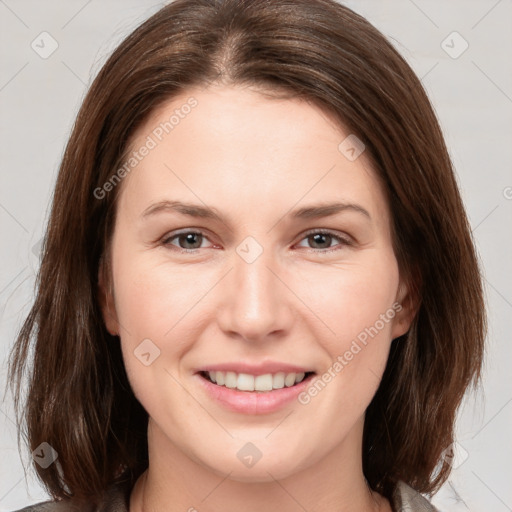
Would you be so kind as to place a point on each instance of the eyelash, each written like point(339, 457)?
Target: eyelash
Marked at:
point(343, 241)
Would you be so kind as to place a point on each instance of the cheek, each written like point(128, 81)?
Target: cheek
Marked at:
point(352, 297)
point(163, 305)
point(358, 304)
point(365, 311)
point(150, 299)
point(151, 305)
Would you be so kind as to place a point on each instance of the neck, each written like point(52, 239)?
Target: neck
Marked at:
point(176, 482)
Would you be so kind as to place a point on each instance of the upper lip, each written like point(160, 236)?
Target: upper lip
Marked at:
point(255, 368)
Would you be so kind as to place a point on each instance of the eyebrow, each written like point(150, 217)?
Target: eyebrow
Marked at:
point(325, 210)
point(307, 212)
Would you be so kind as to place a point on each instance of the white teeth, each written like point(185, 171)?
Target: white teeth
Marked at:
point(278, 380)
point(247, 382)
point(289, 380)
point(230, 380)
point(263, 382)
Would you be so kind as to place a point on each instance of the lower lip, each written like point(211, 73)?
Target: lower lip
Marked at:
point(253, 402)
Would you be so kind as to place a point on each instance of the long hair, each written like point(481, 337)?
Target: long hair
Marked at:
point(79, 399)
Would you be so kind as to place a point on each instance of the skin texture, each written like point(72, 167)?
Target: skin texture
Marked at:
point(253, 160)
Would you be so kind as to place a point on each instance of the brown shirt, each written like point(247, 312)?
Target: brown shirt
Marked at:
point(117, 499)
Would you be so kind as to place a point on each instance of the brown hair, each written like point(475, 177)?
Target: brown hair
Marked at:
point(79, 398)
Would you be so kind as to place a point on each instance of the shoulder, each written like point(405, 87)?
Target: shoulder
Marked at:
point(406, 499)
point(53, 506)
point(115, 499)
point(49, 506)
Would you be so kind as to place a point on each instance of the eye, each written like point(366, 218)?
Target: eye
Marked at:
point(322, 240)
point(186, 240)
point(318, 241)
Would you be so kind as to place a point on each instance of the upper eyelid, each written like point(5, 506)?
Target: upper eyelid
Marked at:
point(173, 234)
point(331, 232)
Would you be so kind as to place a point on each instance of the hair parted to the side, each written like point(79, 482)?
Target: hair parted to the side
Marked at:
point(79, 398)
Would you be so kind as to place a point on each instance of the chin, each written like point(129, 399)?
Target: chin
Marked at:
point(266, 466)
point(260, 473)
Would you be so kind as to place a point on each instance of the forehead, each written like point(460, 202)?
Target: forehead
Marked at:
point(235, 148)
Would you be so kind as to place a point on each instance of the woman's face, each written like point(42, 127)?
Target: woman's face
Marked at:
point(251, 240)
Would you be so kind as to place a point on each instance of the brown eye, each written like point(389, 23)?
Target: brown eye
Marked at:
point(320, 240)
point(188, 240)
point(324, 241)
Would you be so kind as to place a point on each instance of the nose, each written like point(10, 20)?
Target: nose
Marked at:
point(256, 304)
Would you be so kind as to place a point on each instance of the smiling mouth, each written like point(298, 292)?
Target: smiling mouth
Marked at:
point(260, 383)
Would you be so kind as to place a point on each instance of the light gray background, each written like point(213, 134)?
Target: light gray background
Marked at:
point(472, 95)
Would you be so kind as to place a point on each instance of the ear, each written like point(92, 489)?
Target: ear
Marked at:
point(106, 298)
point(407, 305)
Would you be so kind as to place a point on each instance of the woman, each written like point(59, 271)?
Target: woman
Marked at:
point(310, 347)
